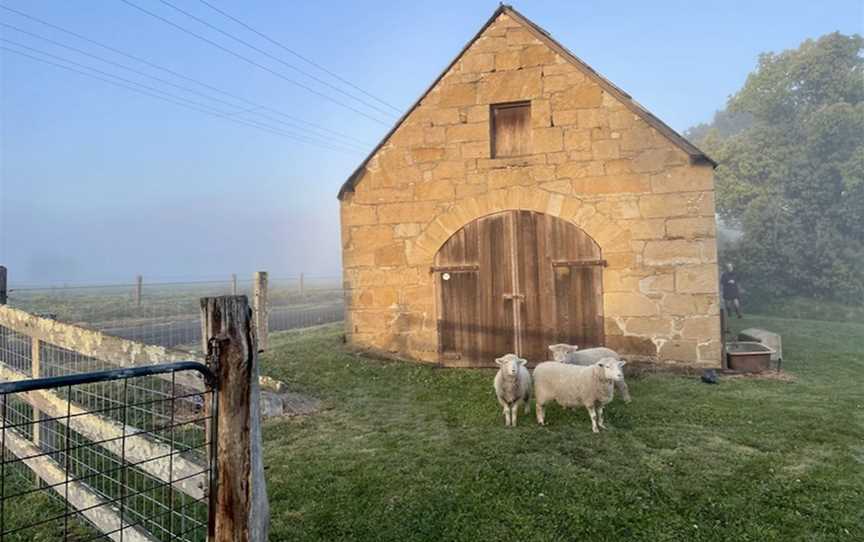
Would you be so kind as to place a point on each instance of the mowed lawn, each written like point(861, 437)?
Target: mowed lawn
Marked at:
point(408, 452)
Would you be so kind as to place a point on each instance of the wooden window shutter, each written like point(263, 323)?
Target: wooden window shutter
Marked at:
point(511, 129)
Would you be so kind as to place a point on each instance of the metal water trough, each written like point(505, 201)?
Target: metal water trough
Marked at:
point(748, 356)
point(768, 338)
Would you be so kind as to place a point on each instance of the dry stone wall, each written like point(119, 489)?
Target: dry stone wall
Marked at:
point(594, 162)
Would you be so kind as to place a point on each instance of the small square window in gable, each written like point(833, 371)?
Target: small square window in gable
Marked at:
point(511, 129)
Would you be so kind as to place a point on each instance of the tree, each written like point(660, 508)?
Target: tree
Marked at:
point(793, 178)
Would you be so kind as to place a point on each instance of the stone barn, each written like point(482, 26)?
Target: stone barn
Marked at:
point(525, 200)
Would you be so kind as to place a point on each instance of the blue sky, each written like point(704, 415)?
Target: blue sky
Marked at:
point(98, 183)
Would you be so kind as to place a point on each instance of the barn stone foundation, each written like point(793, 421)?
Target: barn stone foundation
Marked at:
point(595, 162)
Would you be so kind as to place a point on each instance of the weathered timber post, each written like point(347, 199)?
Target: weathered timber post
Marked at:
point(301, 284)
point(240, 509)
point(260, 310)
point(139, 286)
point(3, 297)
point(233, 284)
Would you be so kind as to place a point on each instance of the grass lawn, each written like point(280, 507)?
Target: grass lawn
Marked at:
point(408, 452)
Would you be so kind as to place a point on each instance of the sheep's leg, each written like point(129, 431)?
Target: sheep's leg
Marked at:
point(600, 417)
point(527, 405)
point(514, 413)
point(593, 413)
point(506, 408)
point(541, 419)
point(622, 388)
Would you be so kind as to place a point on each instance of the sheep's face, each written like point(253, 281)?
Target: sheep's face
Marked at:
point(613, 369)
point(560, 351)
point(510, 364)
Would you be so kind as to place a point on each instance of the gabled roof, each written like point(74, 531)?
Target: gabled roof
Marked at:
point(696, 155)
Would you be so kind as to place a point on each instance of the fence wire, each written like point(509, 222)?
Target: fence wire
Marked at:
point(168, 314)
point(97, 456)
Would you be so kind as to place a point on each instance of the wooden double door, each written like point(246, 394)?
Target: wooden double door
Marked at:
point(517, 281)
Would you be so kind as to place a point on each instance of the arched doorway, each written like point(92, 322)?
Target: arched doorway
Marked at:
point(517, 281)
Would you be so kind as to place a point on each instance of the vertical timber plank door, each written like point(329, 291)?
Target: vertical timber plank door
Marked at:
point(517, 281)
point(578, 271)
point(458, 279)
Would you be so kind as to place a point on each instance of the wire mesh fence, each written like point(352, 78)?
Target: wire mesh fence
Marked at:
point(168, 313)
point(93, 454)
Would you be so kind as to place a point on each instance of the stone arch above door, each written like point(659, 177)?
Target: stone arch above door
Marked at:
point(610, 236)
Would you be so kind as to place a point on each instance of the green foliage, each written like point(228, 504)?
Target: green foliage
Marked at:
point(793, 180)
point(407, 452)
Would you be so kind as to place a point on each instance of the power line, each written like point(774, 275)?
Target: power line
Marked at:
point(161, 95)
point(181, 76)
point(161, 80)
point(275, 58)
point(298, 55)
point(253, 62)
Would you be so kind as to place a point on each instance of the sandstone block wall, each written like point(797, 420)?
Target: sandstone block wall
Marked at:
point(594, 162)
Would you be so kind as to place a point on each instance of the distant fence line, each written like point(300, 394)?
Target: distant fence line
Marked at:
point(166, 313)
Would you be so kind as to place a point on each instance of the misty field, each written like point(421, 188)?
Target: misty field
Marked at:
point(407, 452)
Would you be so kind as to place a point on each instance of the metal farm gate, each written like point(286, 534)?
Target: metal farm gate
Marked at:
point(104, 444)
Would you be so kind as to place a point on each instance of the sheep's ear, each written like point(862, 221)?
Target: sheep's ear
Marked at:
point(572, 347)
point(522, 362)
point(621, 364)
point(500, 361)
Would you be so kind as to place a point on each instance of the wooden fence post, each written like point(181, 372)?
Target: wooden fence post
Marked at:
point(3, 297)
point(233, 284)
point(139, 285)
point(259, 309)
point(241, 511)
point(301, 284)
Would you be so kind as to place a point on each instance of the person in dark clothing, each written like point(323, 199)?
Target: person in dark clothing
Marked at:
point(731, 289)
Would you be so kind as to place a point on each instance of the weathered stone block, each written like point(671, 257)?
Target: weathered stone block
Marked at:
point(474, 149)
point(520, 36)
point(435, 190)
point(629, 304)
point(508, 60)
point(359, 215)
point(395, 213)
point(458, 94)
point(478, 131)
point(427, 154)
point(691, 228)
point(689, 304)
point(547, 139)
point(604, 150)
point(701, 329)
point(698, 279)
point(478, 62)
point(674, 252)
point(537, 55)
point(585, 96)
point(592, 118)
point(578, 139)
point(541, 114)
point(509, 86)
point(611, 185)
point(650, 327)
point(390, 255)
point(679, 350)
point(670, 205)
point(683, 179)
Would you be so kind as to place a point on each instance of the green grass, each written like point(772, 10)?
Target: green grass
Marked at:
point(406, 452)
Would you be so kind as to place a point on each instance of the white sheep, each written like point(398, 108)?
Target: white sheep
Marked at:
point(570, 353)
point(574, 385)
point(512, 386)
